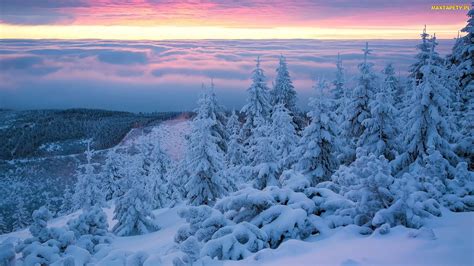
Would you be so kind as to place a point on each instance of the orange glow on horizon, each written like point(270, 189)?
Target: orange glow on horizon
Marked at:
point(131, 32)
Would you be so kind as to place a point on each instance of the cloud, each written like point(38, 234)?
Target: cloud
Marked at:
point(130, 72)
point(123, 57)
point(26, 65)
point(202, 72)
point(228, 57)
point(228, 13)
point(43, 3)
point(133, 76)
point(19, 62)
point(32, 12)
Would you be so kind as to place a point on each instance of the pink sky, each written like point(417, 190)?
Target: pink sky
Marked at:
point(243, 18)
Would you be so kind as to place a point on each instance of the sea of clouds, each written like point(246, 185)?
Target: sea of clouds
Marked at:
point(167, 75)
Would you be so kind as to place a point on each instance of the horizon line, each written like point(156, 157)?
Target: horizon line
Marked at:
point(221, 39)
point(161, 33)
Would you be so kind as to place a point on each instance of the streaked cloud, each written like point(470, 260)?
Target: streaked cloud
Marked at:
point(123, 57)
point(167, 75)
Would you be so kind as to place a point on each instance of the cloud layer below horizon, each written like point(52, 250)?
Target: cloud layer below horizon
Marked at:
point(167, 75)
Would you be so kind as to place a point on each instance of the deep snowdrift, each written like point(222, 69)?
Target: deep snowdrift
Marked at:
point(451, 244)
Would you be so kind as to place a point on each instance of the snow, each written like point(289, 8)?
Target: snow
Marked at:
point(344, 246)
point(171, 135)
point(158, 242)
point(454, 244)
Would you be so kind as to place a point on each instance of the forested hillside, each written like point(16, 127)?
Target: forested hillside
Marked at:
point(38, 133)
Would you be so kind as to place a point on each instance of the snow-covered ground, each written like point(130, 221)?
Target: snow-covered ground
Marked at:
point(446, 240)
point(451, 244)
point(170, 135)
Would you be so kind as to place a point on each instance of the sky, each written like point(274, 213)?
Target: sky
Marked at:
point(154, 55)
point(227, 19)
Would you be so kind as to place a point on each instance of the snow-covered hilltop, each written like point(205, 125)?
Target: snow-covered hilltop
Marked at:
point(376, 173)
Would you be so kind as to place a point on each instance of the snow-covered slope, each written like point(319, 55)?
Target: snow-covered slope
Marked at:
point(170, 134)
point(447, 240)
point(451, 244)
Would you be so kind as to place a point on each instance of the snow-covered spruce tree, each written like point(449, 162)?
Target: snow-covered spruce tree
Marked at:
point(463, 60)
point(263, 155)
point(283, 91)
point(235, 242)
point(466, 145)
point(154, 170)
point(366, 182)
point(280, 213)
point(460, 196)
point(52, 202)
point(191, 249)
point(380, 134)
point(46, 245)
point(358, 107)
point(112, 173)
point(454, 189)
point(91, 229)
point(133, 210)
point(202, 222)
point(396, 89)
point(20, 216)
point(87, 192)
point(179, 175)
point(283, 133)
point(450, 81)
point(213, 110)
point(32, 249)
point(234, 155)
point(463, 52)
point(411, 205)
point(338, 90)
point(143, 147)
point(427, 131)
point(391, 85)
point(422, 58)
point(315, 153)
point(64, 245)
point(159, 173)
point(39, 227)
point(67, 204)
point(447, 78)
point(258, 102)
point(248, 221)
point(235, 158)
point(204, 181)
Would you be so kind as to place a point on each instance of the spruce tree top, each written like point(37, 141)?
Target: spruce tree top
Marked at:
point(284, 91)
point(423, 56)
point(258, 104)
